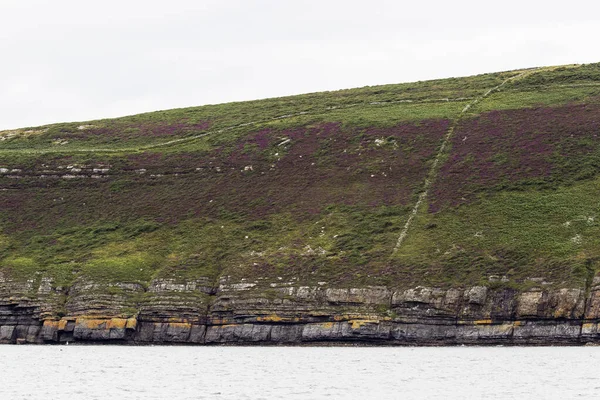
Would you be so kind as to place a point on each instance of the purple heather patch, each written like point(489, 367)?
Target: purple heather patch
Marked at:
point(332, 164)
point(502, 147)
point(321, 165)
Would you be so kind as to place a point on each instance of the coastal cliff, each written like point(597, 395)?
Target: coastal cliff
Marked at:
point(285, 313)
point(455, 211)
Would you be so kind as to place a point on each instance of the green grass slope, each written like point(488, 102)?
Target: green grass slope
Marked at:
point(497, 187)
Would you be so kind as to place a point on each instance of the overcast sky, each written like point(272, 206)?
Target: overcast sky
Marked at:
point(73, 60)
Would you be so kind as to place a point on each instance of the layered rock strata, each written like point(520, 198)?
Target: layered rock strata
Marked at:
point(169, 312)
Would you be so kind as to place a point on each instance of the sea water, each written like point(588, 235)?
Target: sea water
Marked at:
point(163, 372)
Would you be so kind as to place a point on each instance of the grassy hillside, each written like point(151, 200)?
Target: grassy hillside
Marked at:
point(319, 187)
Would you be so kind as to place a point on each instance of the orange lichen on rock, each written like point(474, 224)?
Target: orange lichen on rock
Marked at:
point(117, 323)
point(51, 323)
point(178, 320)
point(92, 323)
point(180, 325)
point(131, 323)
point(62, 324)
point(358, 323)
point(341, 317)
point(276, 318)
point(482, 322)
point(221, 321)
point(589, 327)
point(271, 318)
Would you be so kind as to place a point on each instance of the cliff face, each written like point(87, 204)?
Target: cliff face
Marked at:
point(454, 211)
point(285, 313)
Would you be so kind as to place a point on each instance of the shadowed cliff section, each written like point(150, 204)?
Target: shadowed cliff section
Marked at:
point(275, 221)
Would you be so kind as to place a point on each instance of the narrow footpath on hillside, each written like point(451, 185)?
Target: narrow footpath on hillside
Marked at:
point(229, 128)
point(444, 147)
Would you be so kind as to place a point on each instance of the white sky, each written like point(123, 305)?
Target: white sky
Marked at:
point(74, 60)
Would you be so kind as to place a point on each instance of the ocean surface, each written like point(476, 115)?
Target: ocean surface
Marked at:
point(160, 372)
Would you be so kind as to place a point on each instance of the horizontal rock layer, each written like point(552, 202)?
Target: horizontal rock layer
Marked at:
point(288, 313)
